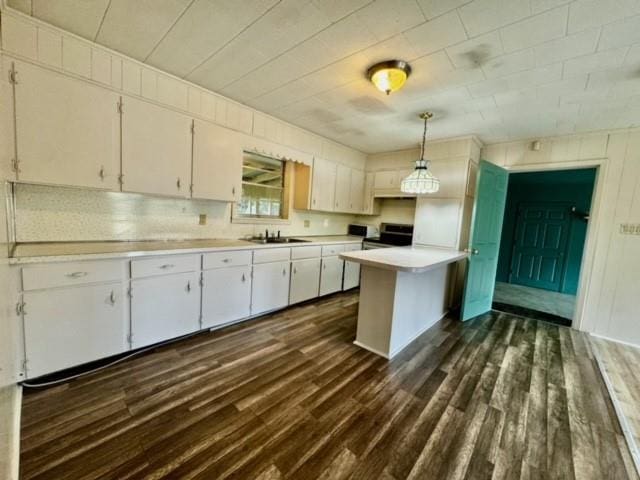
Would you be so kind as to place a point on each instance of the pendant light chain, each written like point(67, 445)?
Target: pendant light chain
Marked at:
point(424, 137)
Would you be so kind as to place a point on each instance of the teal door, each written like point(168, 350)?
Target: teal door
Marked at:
point(540, 245)
point(486, 229)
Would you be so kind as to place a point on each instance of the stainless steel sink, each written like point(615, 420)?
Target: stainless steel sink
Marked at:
point(265, 240)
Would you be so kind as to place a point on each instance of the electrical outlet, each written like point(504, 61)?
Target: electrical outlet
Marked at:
point(202, 219)
point(307, 223)
point(630, 228)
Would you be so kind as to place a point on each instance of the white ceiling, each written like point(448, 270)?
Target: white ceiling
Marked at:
point(500, 69)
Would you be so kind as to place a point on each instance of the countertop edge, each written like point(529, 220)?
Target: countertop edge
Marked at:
point(136, 253)
point(400, 268)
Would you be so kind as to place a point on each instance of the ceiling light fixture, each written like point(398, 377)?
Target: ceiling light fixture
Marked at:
point(421, 180)
point(389, 76)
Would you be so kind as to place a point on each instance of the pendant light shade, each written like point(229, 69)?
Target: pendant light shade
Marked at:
point(421, 181)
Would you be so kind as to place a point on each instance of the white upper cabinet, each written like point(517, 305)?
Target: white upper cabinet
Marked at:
point(68, 131)
point(343, 188)
point(156, 149)
point(323, 187)
point(356, 201)
point(217, 162)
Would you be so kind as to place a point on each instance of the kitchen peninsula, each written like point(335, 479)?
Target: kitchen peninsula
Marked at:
point(403, 292)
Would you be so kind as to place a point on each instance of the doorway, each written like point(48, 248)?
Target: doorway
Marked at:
point(542, 243)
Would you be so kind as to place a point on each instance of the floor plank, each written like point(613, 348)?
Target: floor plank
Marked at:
point(289, 396)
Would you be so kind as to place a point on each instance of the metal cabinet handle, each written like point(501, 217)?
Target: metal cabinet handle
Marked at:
point(101, 173)
point(112, 298)
point(179, 184)
point(233, 191)
point(324, 266)
point(77, 274)
point(244, 278)
point(284, 272)
point(226, 260)
point(189, 286)
point(295, 271)
point(166, 266)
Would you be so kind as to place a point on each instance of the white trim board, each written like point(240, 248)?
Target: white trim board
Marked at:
point(634, 449)
point(10, 403)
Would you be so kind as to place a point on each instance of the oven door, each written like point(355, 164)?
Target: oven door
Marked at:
point(372, 245)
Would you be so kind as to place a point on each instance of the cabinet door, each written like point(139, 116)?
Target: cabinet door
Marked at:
point(164, 307)
point(68, 131)
point(217, 162)
point(323, 185)
point(73, 325)
point(331, 275)
point(270, 288)
point(343, 189)
point(356, 203)
point(351, 275)
point(305, 280)
point(226, 295)
point(368, 193)
point(385, 180)
point(156, 149)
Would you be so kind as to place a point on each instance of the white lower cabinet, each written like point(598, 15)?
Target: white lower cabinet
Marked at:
point(226, 295)
point(270, 288)
point(70, 326)
point(351, 275)
point(164, 307)
point(305, 280)
point(331, 275)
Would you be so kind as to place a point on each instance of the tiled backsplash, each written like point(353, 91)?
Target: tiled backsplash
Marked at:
point(48, 214)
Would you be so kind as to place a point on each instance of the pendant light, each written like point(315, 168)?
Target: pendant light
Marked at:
point(421, 180)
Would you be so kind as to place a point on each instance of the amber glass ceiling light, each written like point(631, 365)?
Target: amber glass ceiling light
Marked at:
point(389, 76)
point(421, 180)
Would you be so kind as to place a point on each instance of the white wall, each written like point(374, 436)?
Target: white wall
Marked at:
point(608, 306)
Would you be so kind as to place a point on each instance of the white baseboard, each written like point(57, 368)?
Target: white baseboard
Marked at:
point(10, 406)
point(615, 340)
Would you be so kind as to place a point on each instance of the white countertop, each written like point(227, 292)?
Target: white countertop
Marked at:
point(67, 251)
point(412, 259)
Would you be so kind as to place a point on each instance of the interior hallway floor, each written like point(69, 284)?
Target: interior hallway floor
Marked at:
point(555, 303)
point(290, 396)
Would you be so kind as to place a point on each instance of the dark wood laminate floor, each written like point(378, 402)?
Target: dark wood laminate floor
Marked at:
point(289, 396)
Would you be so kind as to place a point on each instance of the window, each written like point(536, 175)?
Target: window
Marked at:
point(263, 188)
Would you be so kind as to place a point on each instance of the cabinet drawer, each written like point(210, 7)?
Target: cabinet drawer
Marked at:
point(332, 250)
point(271, 255)
point(299, 253)
point(226, 259)
point(73, 273)
point(353, 247)
point(148, 267)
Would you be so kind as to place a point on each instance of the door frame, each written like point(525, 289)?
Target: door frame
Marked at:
point(593, 226)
